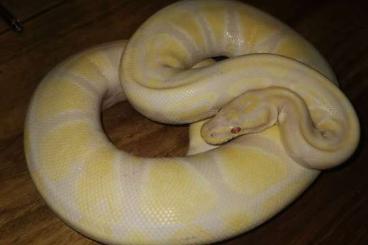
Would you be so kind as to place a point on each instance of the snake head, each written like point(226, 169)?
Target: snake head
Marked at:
point(219, 130)
point(225, 125)
point(248, 113)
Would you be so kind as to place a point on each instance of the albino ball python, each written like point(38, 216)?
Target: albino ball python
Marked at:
point(275, 89)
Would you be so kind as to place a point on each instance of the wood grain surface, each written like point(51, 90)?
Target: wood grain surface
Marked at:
point(334, 210)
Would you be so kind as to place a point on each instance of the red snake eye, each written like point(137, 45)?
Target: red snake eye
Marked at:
point(235, 130)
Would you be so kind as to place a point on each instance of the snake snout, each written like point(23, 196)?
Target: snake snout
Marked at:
point(216, 132)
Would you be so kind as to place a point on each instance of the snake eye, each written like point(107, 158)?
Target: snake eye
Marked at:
point(235, 130)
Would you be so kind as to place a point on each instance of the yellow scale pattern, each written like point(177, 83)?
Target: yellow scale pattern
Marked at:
point(243, 169)
point(57, 156)
point(162, 178)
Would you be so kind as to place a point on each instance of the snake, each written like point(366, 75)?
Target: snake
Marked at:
point(265, 111)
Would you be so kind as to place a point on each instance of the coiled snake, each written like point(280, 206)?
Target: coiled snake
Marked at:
point(274, 89)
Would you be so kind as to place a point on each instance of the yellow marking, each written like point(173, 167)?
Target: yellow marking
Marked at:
point(287, 194)
point(190, 234)
point(296, 47)
point(252, 103)
point(137, 237)
point(97, 191)
point(255, 28)
point(175, 193)
point(156, 55)
point(88, 70)
point(232, 114)
point(63, 147)
point(102, 62)
point(215, 17)
point(159, 54)
point(272, 133)
point(249, 170)
point(189, 26)
point(61, 95)
point(237, 223)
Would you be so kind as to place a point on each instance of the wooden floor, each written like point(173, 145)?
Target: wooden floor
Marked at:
point(333, 211)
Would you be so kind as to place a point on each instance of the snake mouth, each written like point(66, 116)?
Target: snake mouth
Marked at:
point(218, 135)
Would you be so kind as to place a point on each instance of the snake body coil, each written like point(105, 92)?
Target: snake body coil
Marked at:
point(275, 89)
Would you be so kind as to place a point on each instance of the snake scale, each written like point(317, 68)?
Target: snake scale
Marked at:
point(272, 88)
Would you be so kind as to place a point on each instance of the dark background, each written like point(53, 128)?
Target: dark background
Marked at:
point(334, 210)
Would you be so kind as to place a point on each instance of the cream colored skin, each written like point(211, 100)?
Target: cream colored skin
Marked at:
point(295, 119)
